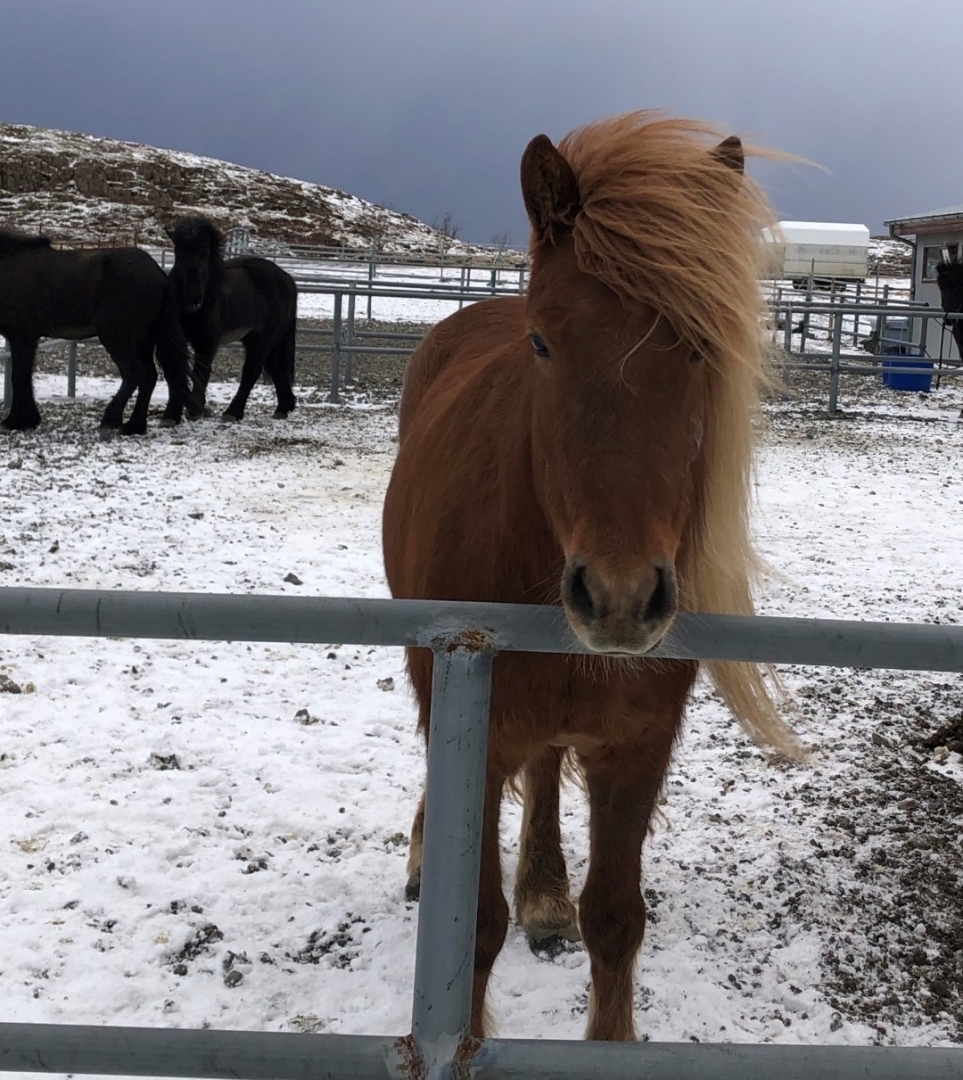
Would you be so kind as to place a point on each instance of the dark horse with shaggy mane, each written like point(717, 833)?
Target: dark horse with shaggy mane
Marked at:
point(949, 277)
point(589, 446)
point(247, 299)
point(119, 295)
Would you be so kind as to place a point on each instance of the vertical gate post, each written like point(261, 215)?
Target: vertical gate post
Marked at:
point(451, 859)
point(349, 343)
point(336, 350)
point(72, 370)
point(834, 363)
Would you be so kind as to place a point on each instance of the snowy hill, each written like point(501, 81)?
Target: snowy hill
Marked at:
point(81, 189)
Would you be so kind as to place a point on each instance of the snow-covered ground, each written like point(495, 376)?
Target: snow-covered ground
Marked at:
point(206, 834)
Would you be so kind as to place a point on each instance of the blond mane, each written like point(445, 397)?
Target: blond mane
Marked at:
point(664, 223)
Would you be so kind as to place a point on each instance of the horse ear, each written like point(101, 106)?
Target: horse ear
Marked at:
point(549, 188)
point(730, 153)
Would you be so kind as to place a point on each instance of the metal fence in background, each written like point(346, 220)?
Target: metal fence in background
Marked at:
point(848, 323)
point(464, 639)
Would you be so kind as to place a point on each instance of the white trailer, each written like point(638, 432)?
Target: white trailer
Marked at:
point(825, 251)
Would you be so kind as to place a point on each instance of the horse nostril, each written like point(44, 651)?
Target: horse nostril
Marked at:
point(576, 594)
point(662, 600)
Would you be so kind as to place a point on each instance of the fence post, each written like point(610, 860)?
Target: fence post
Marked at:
point(72, 369)
point(834, 364)
point(371, 277)
point(349, 343)
point(451, 860)
point(924, 325)
point(464, 275)
point(336, 350)
point(787, 336)
point(859, 293)
point(805, 322)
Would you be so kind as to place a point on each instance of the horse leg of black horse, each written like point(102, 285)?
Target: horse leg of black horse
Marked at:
point(23, 413)
point(256, 347)
point(137, 424)
point(280, 366)
point(203, 362)
point(125, 357)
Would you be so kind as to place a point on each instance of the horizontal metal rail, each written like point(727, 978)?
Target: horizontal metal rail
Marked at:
point(255, 1055)
point(508, 627)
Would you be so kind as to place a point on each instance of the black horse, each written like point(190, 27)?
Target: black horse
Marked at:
point(247, 299)
point(949, 277)
point(119, 295)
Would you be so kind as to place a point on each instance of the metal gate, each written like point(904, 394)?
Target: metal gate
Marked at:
point(464, 639)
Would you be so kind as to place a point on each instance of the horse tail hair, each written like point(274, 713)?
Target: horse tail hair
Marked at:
point(753, 693)
point(170, 345)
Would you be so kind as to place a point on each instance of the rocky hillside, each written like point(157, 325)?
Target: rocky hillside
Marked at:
point(895, 258)
point(80, 189)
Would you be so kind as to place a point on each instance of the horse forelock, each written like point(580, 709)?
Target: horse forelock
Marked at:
point(195, 232)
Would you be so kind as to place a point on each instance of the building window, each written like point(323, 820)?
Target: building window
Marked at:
point(933, 256)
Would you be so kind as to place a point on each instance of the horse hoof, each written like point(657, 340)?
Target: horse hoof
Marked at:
point(169, 421)
point(553, 945)
point(227, 418)
point(280, 414)
point(106, 433)
point(413, 888)
point(539, 936)
point(128, 429)
point(546, 918)
point(9, 425)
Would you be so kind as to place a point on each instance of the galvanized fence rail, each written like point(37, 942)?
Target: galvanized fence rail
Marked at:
point(346, 342)
point(837, 363)
point(464, 638)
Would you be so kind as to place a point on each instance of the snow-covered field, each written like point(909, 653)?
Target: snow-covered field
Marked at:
point(206, 834)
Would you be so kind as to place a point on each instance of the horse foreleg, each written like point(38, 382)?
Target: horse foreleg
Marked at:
point(542, 905)
point(255, 352)
point(203, 362)
point(623, 783)
point(23, 413)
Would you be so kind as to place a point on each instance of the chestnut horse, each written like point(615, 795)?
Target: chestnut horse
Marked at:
point(590, 445)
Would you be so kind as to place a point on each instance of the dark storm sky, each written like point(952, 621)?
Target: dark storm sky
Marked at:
point(428, 104)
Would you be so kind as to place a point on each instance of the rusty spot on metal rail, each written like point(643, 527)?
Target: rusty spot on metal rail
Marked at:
point(410, 1064)
point(471, 640)
point(461, 1061)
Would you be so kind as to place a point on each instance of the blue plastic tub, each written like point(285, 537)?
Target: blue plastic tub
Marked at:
point(895, 380)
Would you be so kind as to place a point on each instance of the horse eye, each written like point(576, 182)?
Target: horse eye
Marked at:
point(541, 349)
point(698, 354)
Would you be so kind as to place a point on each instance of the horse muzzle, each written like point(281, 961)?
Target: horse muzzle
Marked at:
point(619, 612)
